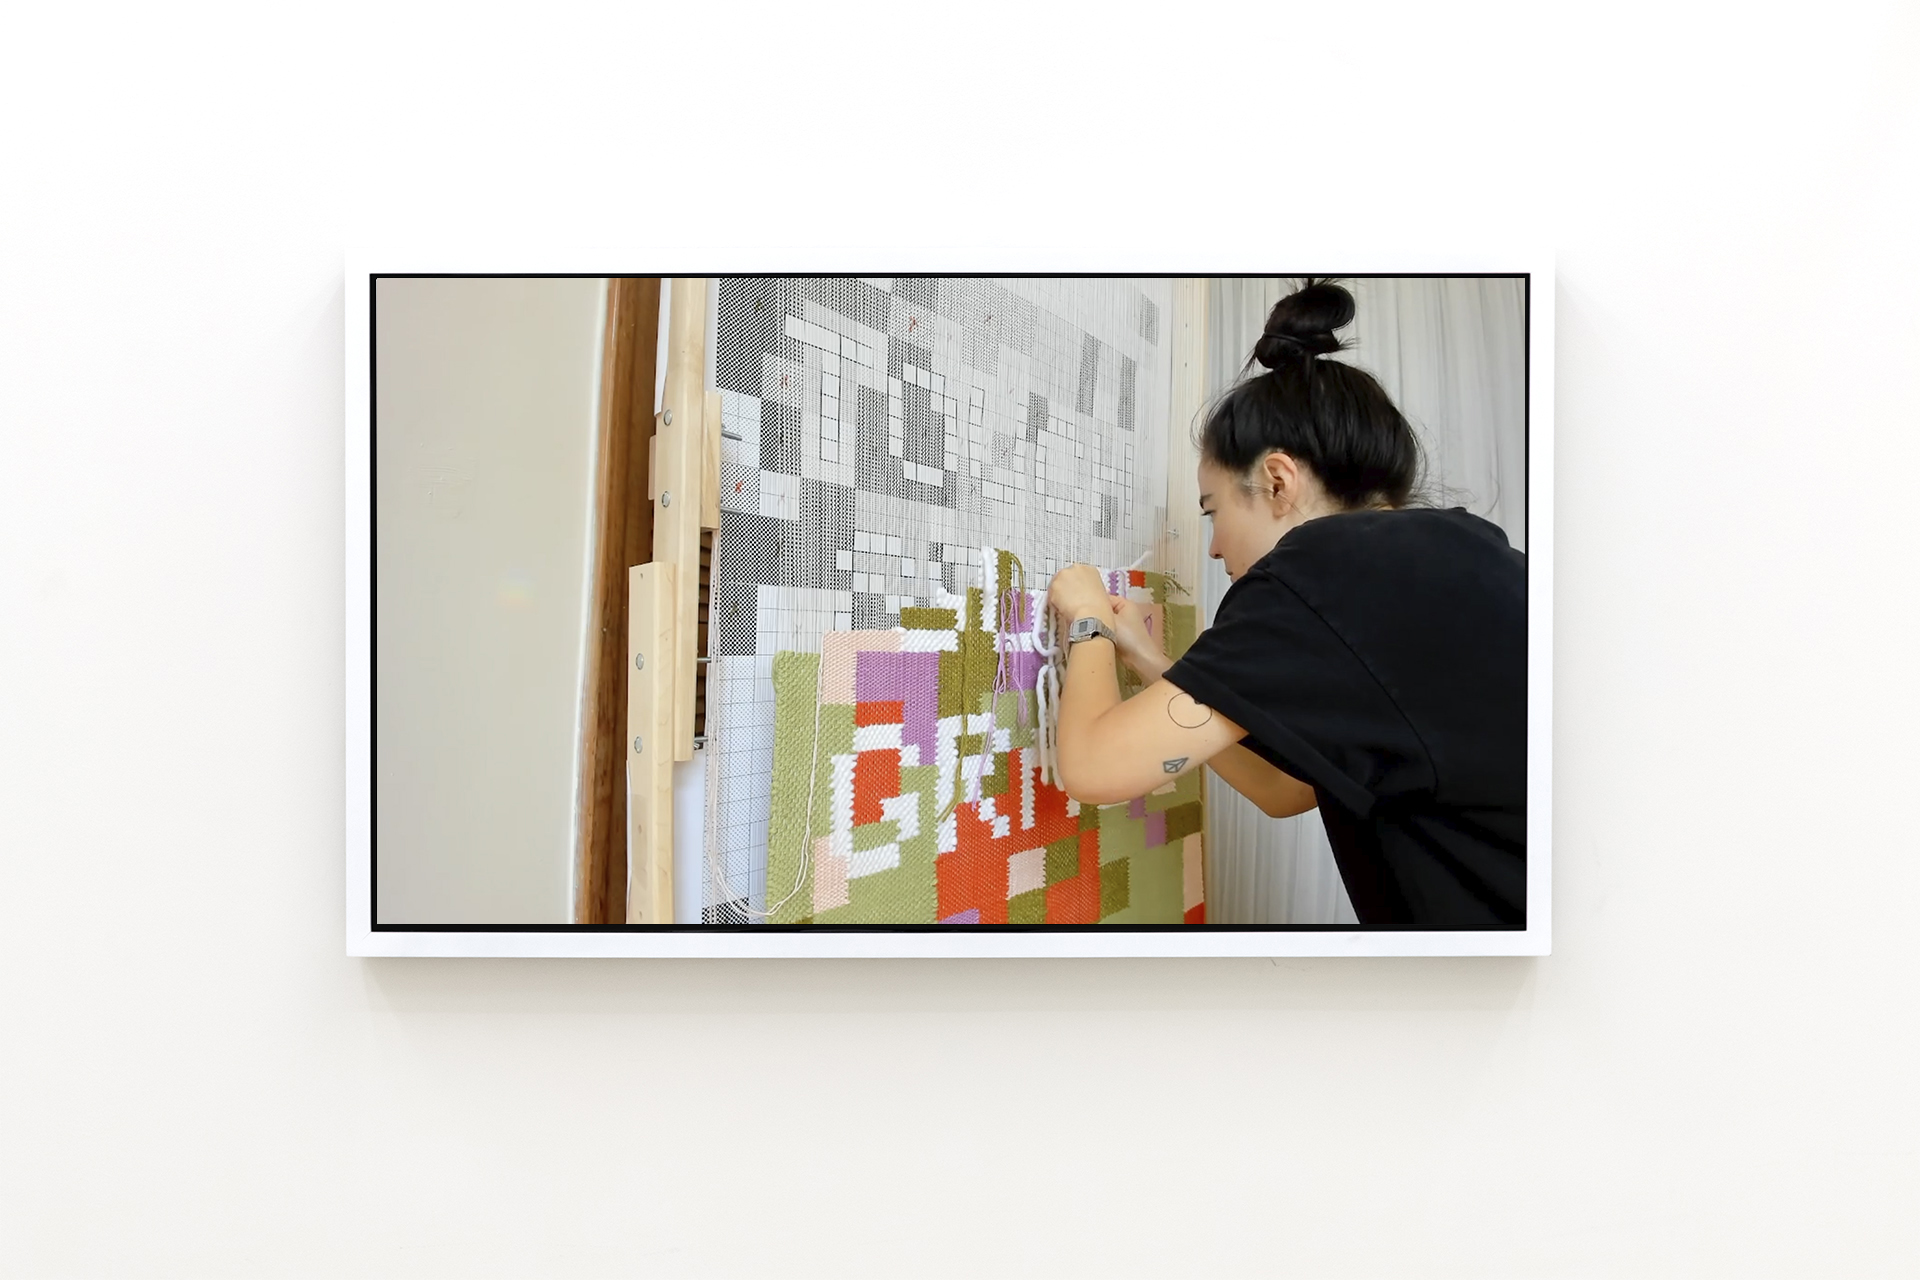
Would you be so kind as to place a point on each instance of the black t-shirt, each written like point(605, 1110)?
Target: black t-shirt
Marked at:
point(1381, 658)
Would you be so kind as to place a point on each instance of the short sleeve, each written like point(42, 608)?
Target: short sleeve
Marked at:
point(1274, 667)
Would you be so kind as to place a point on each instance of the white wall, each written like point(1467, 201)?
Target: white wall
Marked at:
point(487, 392)
point(1711, 1076)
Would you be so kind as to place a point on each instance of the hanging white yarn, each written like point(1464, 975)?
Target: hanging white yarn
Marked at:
point(1046, 689)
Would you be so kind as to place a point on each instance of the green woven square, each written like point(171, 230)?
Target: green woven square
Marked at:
point(1184, 821)
point(997, 782)
point(1121, 836)
point(874, 834)
point(920, 619)
point(1027, 908)
point(1063, 859)
point(1114, 887)
point(1154, 885)
point(1182, 626)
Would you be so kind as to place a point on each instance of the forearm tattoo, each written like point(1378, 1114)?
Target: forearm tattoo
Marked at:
point(1188, 714)
point(1174, 765)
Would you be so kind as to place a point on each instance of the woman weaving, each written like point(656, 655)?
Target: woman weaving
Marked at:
point(1369, 660)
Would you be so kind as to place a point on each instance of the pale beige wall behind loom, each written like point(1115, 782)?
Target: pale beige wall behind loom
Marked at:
point(486, 395)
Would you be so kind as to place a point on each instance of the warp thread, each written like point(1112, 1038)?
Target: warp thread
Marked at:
point(716, 876)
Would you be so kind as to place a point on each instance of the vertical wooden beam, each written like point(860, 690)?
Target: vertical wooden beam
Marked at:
point(622, 537)
point(650, 614)
point(709, 532)
point(1183, 543)
point(710, 467)
point(680, 459)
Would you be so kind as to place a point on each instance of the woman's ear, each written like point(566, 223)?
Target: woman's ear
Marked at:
point(1278, 476)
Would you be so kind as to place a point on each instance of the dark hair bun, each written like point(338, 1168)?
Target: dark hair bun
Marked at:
point(1301, 324)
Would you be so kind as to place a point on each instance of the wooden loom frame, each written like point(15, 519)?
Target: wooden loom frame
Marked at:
point(643, 691)
point(666, 597)
point(666, 600)
point(622, 536)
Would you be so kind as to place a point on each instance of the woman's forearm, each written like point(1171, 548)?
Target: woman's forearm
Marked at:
point(1109, 749)
point(1149, 664)
point(1089, 691)
point(1275, 792)
point(1113, 750)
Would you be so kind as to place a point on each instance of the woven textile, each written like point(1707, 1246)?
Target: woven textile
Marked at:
point(926, 802)
point(877, 433)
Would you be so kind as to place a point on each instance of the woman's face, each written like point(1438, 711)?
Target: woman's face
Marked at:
point(1245, 526)
point(1252, 512)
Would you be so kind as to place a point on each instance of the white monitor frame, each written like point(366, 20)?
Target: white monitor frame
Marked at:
point(682, 941)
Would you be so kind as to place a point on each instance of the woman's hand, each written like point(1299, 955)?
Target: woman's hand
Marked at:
point(1078, 591)
point(1133, 637)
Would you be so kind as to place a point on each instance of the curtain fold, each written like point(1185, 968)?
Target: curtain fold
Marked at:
point(1451, 352)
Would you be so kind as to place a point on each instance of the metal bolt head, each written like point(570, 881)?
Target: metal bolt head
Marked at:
point(666, 499)
point(636, 745)
point(639, 662)
point(666, 419)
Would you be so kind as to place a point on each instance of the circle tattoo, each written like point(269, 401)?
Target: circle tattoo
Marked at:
point(1185, 712)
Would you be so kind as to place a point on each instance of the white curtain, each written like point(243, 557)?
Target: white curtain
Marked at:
point(1451, 352)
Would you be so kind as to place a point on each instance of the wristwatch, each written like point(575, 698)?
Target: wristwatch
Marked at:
point(1087, 629)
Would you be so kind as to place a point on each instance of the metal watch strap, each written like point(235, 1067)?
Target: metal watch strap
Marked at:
point(1087, 629)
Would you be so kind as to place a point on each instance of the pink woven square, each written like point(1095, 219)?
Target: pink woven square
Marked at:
point(838, 666)
point(1026, 872)
point(1193, 881)
point(829, 876)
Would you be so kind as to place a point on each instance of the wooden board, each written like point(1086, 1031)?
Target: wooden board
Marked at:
point(680, 459)
point(650, 659)
point(622, 538)
point(710, 466)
